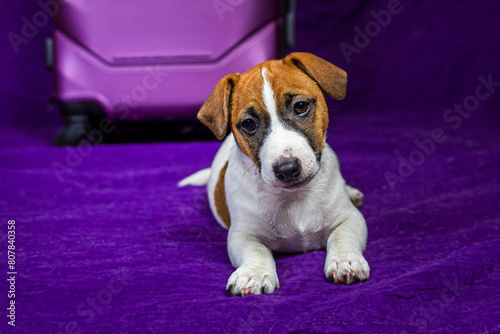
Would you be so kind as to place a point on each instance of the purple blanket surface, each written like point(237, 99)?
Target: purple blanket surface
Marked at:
point(106, 242)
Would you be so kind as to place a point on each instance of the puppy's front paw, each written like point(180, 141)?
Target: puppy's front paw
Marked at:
point(346, 268)
point(252, 281)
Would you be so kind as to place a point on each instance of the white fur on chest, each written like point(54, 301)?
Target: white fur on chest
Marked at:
point(296, 222)
point(286, 221)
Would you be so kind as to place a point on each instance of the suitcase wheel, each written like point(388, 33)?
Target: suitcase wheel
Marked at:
point(80, 119)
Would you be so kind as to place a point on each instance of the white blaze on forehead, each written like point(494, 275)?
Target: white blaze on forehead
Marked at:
point(282, 142)
point(269, 100)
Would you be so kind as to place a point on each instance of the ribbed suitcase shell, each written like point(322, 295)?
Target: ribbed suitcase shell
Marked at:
point(149, 60)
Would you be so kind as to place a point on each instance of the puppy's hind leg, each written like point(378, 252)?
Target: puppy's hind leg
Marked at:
point(355, 195)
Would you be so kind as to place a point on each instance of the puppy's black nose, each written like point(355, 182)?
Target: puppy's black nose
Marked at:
point(288, 170)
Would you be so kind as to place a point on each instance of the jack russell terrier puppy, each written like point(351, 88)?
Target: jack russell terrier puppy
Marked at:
point(275, 183)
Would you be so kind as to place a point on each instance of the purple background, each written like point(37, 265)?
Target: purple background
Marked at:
point(434, 238)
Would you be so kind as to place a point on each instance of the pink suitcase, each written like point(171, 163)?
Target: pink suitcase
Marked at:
point(129, 60)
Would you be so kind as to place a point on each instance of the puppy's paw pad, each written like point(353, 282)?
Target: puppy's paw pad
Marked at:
point(355, 195)
point(347, 268)
point(251, 281)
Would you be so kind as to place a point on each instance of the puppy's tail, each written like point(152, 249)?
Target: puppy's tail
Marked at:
point(200, 178)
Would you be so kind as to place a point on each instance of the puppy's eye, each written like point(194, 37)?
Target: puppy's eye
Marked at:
point(249, 126)
point(301, 108)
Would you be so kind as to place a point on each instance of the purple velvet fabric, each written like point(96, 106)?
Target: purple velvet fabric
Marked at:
point(111, 245)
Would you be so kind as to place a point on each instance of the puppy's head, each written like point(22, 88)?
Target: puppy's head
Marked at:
point(278, 115)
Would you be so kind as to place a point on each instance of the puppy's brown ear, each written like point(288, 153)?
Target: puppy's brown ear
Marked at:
point(329, 77)
point(215, 111)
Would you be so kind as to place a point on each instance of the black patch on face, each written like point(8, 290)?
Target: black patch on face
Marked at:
point(303, 124)
point(254, 140)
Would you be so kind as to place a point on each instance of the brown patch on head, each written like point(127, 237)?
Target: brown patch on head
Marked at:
point(247, 104)
point(220, 198)
point(291, 85)
point(330, 78)
point(302, 77)
point(215, 111)
point(298, 77)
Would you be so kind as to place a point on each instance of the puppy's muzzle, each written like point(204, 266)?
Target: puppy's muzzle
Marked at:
point(288, 171)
